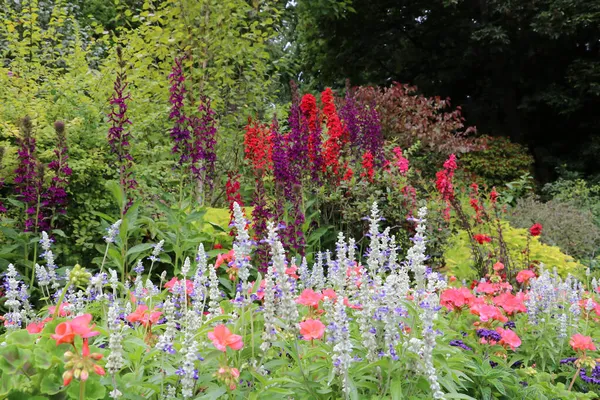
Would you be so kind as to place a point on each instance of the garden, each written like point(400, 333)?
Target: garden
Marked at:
point(187, 211)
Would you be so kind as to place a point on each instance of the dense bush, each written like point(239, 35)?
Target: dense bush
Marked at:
point(569, 227)
point(500, 162)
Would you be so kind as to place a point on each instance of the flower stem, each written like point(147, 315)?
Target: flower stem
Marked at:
point(573, 380)
point(60, 300)
point(81, 390)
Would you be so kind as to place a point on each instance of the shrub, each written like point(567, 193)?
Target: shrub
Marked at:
point(500, 162)
point(567, 226)
point(459, 262)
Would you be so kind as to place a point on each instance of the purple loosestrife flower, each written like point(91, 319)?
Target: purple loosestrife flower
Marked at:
point(55, 197)
point(298, 137)
point(349, 114)
point(180, 132)
point(260, 216)
point(119, 135)
point(203, 154)
point(27, 176)
point(488, 334)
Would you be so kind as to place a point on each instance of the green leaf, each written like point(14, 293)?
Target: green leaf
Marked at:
point(43, 360)
point(137, 249)
point(51, 384)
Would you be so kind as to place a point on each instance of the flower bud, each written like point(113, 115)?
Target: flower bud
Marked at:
point(67, 377)
point(85, 375)
point(96, 356)
point(77, 373)
point(99, 370)
point(68, 355)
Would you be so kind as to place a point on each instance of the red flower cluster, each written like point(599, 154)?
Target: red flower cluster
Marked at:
point(335, 131)
point(536, 229)
point(481, 238)
point(443, 182)
point(368, 166)
point(258, 145)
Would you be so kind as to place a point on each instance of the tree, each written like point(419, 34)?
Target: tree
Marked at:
point(527, 70)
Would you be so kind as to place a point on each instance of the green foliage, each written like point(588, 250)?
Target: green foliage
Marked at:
point(523, 70)
point(459, 261)
point(500, 162)
point(564, 225)
point(52, 69)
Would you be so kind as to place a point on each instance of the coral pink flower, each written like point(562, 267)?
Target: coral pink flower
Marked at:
point(510, 303)
point(222, 338)
point(582, 343)
point(312, 329)
point(330, 294)
point(456, 298)
point(498, 266)
point(63, 333)
point(144, 316)
point(224, 259)
point(37, 327)
point(487, 312)
point(61, 310)
point(509, 338)
point(309, 298)
point(525, 275)
point(536, 230)
point(189, 285)
point(291, 272)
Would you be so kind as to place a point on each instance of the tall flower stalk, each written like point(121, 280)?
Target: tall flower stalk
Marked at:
point(119, 135)
point(27, 176)
point(55, 197)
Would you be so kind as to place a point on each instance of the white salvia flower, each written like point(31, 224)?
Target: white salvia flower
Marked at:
point(165, 341)
point(269, 333)
point(152, 289)
point(14, 316)
point(189, 351)
point(42, 275)
point(562, 328)
point(339, 330)
point(595, 284)
point(304, 281)
point(156, 251)
point(242, 246)
point(139, 287)
point(288, 311)
point(373, 259)
point(171, 393)
point(185, 269)
point(429, 306)
point(115, 394)
point(318, 279)
point(416, 254)
point(201, 261)
point(46, 243)
point(214, 294)
point(588, 272)
point(337, 269)
point(113, 280)
point(115, 360)
point(112, 232)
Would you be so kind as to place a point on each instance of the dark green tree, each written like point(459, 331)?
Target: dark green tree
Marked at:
point(527, 70)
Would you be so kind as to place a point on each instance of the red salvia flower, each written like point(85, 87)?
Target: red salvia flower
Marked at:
point(258, 145)
point(367, 165)
point(335, 131)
